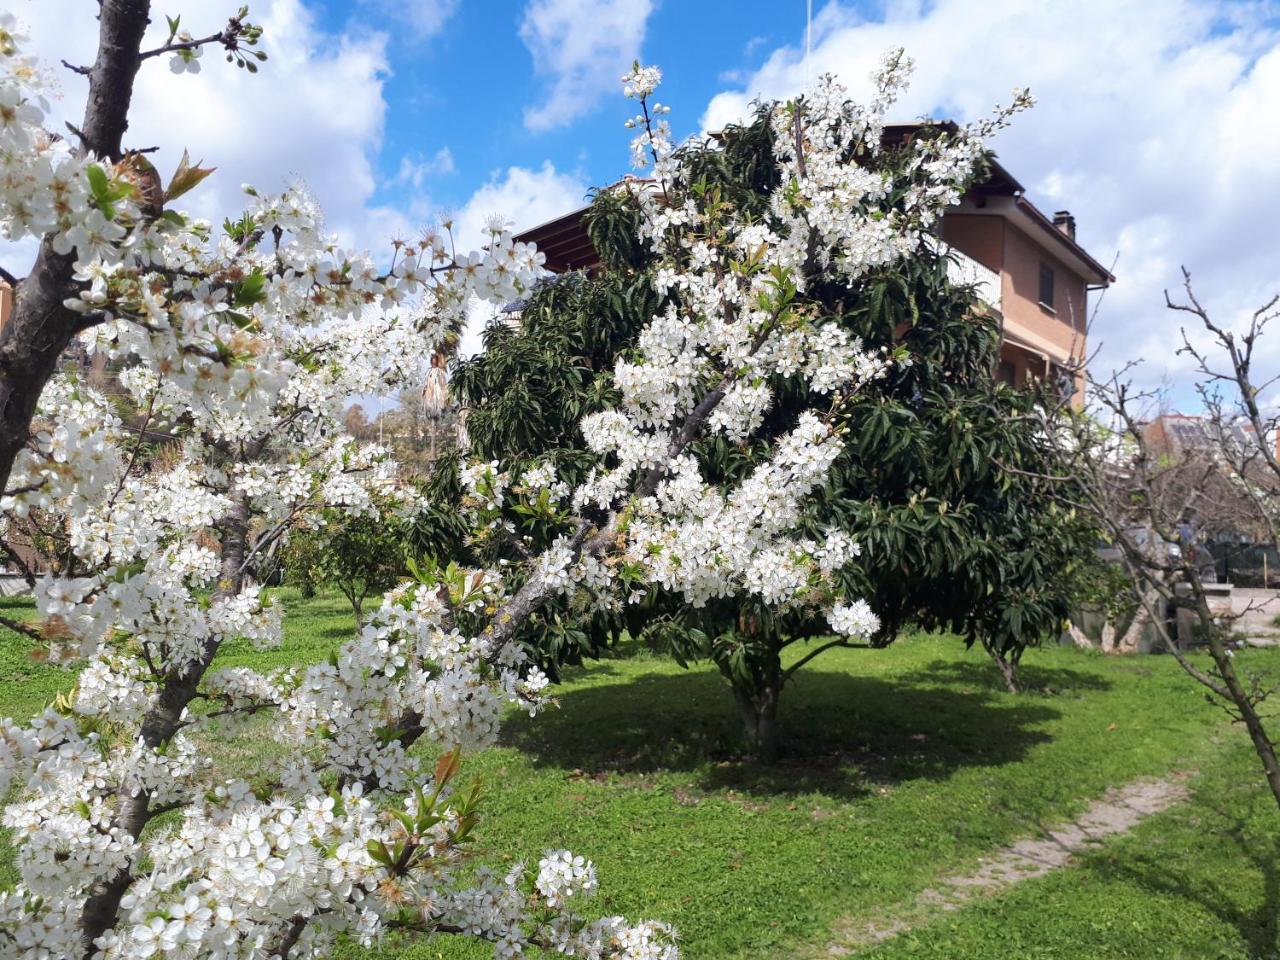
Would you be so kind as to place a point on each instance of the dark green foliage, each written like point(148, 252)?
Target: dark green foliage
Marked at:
point(526, 393)
point(935, 481)
point(362, 556)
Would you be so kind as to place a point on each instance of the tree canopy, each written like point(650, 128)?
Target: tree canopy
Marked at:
point(936, 480)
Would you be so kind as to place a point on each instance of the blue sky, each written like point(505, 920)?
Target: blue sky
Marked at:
point(438, 83)
point(1153, 123)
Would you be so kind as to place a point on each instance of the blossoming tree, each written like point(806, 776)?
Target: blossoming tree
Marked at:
point(951, 536)
point(244, 344)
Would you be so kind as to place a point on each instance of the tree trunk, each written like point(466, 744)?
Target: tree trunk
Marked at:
point(1008, 672)
point(759, 712)
point(1007, 663)
point(1130, 640)
point(1244, 701)
point(158, 727)
point(41, 328)
point(1079, 637)
point(1107, 639)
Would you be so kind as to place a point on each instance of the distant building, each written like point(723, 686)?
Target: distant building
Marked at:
point(1220, 515)
point(1179, 437)
point(1028, 268)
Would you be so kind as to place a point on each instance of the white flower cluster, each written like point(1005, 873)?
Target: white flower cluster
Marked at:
point(240, 356)
point(45, 185)
point(242, 353)
point(486, 484)
point(853, 619)
point(541, 478)
point(699, 540)
point(735, 319)
point(498, 909)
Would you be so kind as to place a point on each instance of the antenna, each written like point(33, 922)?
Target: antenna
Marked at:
point(808, 41)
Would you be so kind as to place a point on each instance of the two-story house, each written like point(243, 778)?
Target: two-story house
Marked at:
point(1027, 267)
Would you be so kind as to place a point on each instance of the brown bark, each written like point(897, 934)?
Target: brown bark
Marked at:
point(1008, 672)
point(41, 328)
point(759, 712)
point(1129, 640)
point(1241, 699)
point(1079, 637)
point(159, 726)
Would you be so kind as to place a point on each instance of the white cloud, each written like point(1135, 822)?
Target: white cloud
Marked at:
point(425, 18)
point(1154, 126)
point(415, 172)
point(314, 111)
point(524, 198)
point(583, 46)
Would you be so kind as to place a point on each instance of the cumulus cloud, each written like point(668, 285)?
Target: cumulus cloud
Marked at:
point(582, 47)
point(1152, 126)
point(522, 198)
point(314, 111)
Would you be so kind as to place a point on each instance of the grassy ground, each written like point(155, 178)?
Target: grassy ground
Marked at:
point(903, 765)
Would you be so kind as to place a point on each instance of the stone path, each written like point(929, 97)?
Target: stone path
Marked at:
point(1257, 610)
point(1118, 811)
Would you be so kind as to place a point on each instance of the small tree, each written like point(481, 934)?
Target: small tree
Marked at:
point(355, 423)
point(300, 558)
point(363, 556)
point(1150, 500)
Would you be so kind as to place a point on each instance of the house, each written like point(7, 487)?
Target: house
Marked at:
point(1193, 478)
point(1178, 437)
point(1028, 268)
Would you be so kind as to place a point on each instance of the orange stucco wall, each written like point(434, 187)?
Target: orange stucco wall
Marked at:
point(999, 245)
point(976, 236)
point(1064, 325)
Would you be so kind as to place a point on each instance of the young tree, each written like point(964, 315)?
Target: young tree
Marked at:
point(933, 480)
point(248, 342)
point(1149, 500)
point(363, 556)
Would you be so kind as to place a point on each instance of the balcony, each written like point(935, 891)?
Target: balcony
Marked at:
point(962, 268)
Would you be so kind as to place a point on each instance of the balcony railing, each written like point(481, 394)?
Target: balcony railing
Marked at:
point(962, 268)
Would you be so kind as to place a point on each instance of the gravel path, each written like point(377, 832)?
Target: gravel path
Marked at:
point(1118, 811)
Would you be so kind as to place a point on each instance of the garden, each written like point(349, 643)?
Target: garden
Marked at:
point(905, 766)
point(727, 602)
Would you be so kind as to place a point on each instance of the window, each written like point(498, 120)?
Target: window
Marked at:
point(1005, 373)
point(1046, 286)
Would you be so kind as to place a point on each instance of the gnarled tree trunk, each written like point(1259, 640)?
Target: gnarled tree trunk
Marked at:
point(41, 328)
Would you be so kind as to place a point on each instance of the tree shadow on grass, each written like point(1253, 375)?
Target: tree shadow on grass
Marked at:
point(843, 735)
point(1259, 925)
point(983, 676)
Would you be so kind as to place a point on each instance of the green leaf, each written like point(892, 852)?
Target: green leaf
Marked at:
point(185, 178)
point(100, 187)
point(378, 850)
point(251, 290)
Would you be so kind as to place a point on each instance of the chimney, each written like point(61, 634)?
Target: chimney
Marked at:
point(1065, 222)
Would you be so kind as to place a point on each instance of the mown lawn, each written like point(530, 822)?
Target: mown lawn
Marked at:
point(903, 765)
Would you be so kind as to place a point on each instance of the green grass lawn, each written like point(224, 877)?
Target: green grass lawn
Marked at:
point(902, 765)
